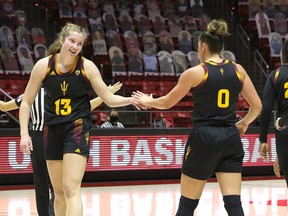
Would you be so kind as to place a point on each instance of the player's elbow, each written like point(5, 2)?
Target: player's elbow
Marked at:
point(257, 106)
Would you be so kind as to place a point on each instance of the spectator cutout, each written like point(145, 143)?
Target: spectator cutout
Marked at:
point(10, 63)
point(276, 44)
point(166, 42)
point(117, 62)
point(40, 51)
point(166, 64)
point(114, 39)
point(131, 40)
point(184, 42)
point(126, 23)
point(143, 24)
point(158, 24)
point(263, 25)
point(153, 9)
point(6, 37)
point(193, 58)
point(225, 54)
point(280, 24)
point(149, 43)
point(190, 24)
point(99, 43)
point(254, 7)
point(196, 8)
point(179, 61)
point(23, 37)
point(38, 36)
point(135, 64)
point(25, 59)
point(175, 25)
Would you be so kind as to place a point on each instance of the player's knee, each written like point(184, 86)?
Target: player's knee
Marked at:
point(233, 205)
point(186, 206)
point(70, 190)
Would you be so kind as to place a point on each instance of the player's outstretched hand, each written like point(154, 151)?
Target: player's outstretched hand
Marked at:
point(142, 98)
point(138, 106)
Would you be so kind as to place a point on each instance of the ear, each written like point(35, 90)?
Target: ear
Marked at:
point(202, 46)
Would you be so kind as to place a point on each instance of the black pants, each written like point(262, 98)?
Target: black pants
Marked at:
point(40, 175)
point(282, 151)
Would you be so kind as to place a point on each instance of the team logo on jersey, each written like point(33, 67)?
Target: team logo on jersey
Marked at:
point(52, 73)
point(77, 72)
point(222, 70)
point(78, 151)
point(64, 87)
point(87, 137)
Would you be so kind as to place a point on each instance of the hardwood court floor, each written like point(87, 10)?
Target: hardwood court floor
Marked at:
point(259, 198)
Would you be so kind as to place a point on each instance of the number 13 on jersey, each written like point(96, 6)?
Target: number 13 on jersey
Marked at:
point(62, 107)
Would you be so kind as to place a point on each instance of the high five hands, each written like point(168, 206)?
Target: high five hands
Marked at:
point(141, 100)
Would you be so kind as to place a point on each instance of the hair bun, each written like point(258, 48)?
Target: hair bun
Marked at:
point(218, 27)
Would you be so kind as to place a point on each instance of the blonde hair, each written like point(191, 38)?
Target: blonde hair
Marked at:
point(218, 27)
point(214, 36)
point(65, 32)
